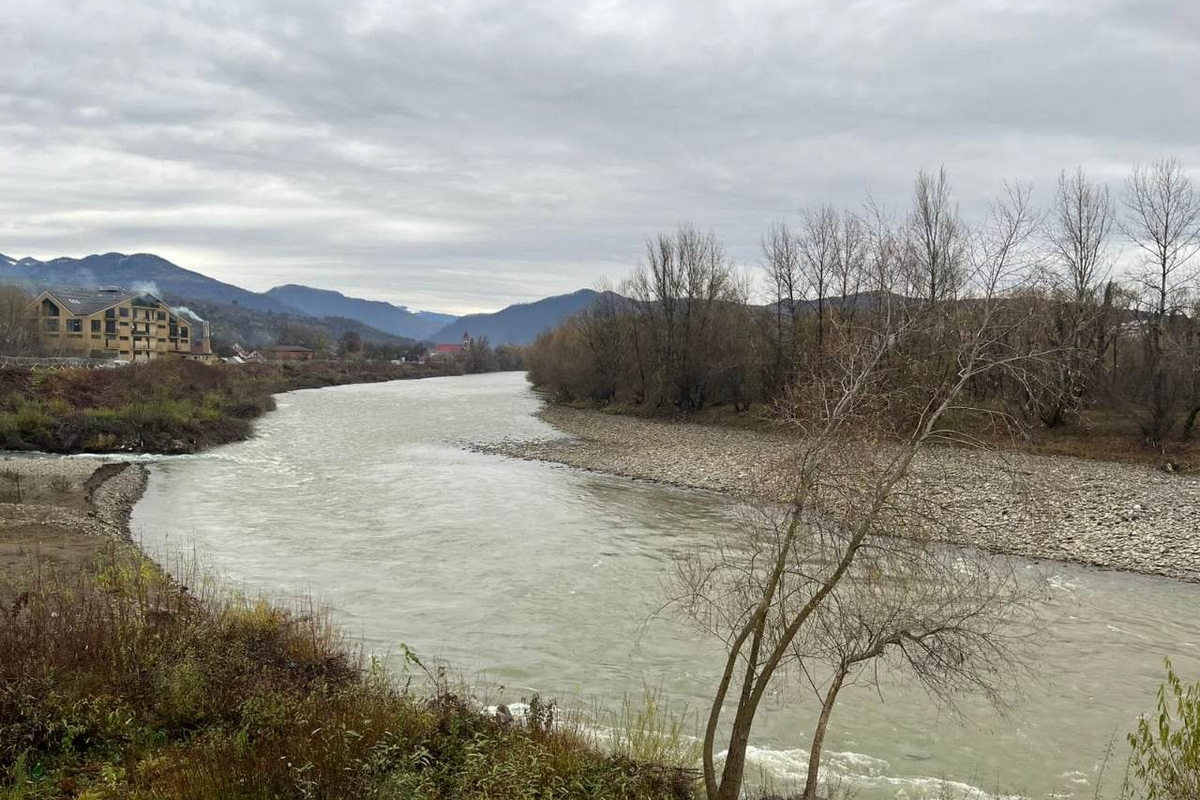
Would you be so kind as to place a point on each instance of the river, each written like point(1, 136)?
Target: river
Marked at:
point(541, 578)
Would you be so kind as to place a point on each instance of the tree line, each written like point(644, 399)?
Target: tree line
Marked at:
point(1099, 292)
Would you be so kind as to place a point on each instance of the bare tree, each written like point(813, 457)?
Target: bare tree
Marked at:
point(1163, 220)
point(954, 621)
point(884, 252)
point(849, 263)
point(819, 249)
point(1079, 313)
point(863, 422)
point(937, 238)
point(1081, 222)
point(687, 296)
point(782, 262)
point(17, 334)
point(602, 331)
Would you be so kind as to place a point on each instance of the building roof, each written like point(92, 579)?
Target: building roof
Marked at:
point(289, 348)
point(82, 302)
point(448, 348)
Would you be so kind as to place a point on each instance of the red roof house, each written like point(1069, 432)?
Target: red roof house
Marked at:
point(453, 349)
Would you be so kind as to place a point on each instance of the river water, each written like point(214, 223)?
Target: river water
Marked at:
point(541, 578)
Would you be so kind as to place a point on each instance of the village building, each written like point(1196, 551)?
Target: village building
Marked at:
point(449, 350)
point(115, 323)
point(289, 352)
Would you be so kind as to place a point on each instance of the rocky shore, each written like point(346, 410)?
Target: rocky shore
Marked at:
point(66, 511)
point(1117, 516)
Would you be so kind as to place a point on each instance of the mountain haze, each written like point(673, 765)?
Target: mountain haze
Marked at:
point(393, 319)
point(521, 323)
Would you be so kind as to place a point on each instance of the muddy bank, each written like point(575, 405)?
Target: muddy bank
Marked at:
point(1118, 516)
point(68, 511)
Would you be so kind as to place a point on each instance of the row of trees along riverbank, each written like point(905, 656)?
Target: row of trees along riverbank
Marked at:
point(1098, 294)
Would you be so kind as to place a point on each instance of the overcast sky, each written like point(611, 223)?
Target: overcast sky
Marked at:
point(461, 155)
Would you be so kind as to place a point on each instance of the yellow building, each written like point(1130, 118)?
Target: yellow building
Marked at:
point(105, 323)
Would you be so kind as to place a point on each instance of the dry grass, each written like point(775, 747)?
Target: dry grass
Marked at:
point(120, 683)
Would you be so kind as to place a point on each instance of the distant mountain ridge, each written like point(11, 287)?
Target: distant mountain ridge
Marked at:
point(397, 320)
point(172, 282)
point(520, 323)
point(516, 324)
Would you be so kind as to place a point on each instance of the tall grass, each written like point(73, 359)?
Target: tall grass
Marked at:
point(649, 731)
point(121, 683)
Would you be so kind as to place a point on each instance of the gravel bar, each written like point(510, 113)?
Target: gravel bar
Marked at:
point(1110, 515)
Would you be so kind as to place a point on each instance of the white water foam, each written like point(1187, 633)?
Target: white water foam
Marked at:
point(847, 770)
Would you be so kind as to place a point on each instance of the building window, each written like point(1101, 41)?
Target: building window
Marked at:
point(183, 333)
point(52, 326)
point(162, 315)
point(124, 312)
point(49, 309)
point(95, 326)
point(110, 313)
point(74, 326)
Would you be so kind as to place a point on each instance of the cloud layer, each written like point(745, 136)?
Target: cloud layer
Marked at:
point(464, 154)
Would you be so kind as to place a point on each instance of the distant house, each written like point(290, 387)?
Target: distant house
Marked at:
point(289, 352)
point(448, 350)
point(243, 356)
point(103, 323)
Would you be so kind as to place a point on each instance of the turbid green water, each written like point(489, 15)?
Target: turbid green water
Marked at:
point(545, 579)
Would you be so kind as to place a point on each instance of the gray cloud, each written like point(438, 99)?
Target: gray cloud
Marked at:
point(466, 154)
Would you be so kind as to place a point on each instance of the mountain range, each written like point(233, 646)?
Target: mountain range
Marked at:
point(226, 304)
point(141, 270)
point(520, 323)
point(397, 320)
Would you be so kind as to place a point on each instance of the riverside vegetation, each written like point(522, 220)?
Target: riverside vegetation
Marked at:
point(168, 405)
point(118, 682)
point(1101, 293)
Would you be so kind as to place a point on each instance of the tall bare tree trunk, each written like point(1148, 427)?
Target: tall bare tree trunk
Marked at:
point(818, 740)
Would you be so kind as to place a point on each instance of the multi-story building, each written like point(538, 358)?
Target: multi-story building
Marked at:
point(105, 323)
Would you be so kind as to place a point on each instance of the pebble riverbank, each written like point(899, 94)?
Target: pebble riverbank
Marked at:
point(63, 512)
point(1116, 516)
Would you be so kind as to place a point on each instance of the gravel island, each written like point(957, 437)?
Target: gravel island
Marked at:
point(1116, 516)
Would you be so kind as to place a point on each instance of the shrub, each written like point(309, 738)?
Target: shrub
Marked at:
point(12, 480)
point(1165, 764)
